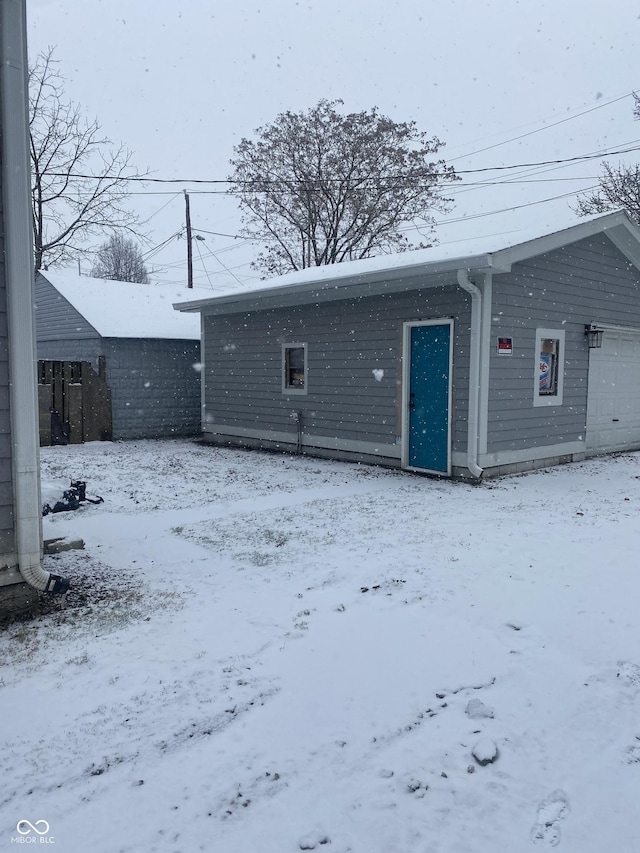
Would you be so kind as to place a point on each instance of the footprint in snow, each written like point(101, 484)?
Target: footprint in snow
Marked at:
point(550, 812)
point(312, 841)
point(633, 754)
point(629, 673)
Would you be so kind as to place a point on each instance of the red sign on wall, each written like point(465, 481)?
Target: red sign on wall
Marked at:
point(505, 346)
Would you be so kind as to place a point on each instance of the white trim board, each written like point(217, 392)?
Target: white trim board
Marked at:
point(406, 376)
point(542, 400)
point(392, 451)
point(290, 390)
point(371, 448)
point(486, 327)
point(530, 454)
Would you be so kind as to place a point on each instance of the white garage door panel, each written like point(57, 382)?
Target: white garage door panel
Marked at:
point(613, 402)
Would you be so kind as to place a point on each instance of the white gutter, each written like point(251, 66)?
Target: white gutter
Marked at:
point(473, 422)
point(18, 234)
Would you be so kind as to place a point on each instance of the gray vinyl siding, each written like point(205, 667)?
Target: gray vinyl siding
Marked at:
point(155, 390)
point(56, 318)
point(346, 341)
point(154, 386)
point(7, 535)
point(588, 281)
point(70, 350)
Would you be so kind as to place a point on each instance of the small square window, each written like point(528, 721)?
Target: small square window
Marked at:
point(294, 368)
point(549, 370)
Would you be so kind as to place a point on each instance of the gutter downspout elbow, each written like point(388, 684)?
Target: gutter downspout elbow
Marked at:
point(474, 373)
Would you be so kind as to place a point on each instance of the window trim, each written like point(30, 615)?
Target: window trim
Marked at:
point(287, 389)
point(549, 399)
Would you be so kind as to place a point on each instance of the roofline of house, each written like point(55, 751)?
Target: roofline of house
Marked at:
point(117, 336)
point(617, 226)
point(329, 289)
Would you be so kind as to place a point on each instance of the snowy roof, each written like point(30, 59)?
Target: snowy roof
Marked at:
point(475, 254)
point(122, 309)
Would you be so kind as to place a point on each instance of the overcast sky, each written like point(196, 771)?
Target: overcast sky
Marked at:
point(181, 83)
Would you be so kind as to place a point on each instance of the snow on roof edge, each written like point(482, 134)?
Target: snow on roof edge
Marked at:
point(118, 309)
point(479, 253)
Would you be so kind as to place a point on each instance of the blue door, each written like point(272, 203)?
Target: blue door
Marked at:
point(429, 386)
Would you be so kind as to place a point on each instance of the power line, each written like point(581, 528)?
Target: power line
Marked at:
point(203, 266)
point(577, 158)
point(226, 269)
point(404, 228)
point(155, 249)
point(452, 189)
point(219, 234)
point(514, 207)
point(480, 184)
point(161, 208)
point(559, 160)
point(541, 129)
point(524, 175)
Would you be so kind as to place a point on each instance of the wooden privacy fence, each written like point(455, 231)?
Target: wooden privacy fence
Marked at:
point(74, 402)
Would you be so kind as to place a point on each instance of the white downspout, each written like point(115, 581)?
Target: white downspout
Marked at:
point(473, 422)
point(20, 298)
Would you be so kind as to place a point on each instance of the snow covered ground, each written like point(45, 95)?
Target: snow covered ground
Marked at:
point(274, 653)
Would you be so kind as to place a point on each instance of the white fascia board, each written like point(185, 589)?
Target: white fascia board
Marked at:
point(348, 286)
point(616, 226)
point(626, 238)
point(342, 281)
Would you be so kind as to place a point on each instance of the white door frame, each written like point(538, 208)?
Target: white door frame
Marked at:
point(406, 381)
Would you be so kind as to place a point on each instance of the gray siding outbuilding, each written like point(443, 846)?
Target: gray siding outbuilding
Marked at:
point(465, 362)
point(115, 360)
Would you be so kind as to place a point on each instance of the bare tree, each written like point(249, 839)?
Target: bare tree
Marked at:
point(619, 187)
point(79, 178)
point(120, 259)
point(319, 187)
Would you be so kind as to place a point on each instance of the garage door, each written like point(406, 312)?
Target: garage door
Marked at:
point(613, 400)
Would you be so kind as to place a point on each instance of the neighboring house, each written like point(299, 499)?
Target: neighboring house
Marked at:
point(460, 360)
point(14, 593)
point(22, 576)
point(115, 361)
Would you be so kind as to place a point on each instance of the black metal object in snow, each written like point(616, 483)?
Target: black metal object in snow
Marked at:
point(72, 498)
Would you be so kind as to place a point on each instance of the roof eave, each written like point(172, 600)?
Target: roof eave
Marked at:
point(333, 288)
point(617, 226)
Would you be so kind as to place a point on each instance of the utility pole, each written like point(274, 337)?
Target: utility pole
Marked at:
point(189, 248)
